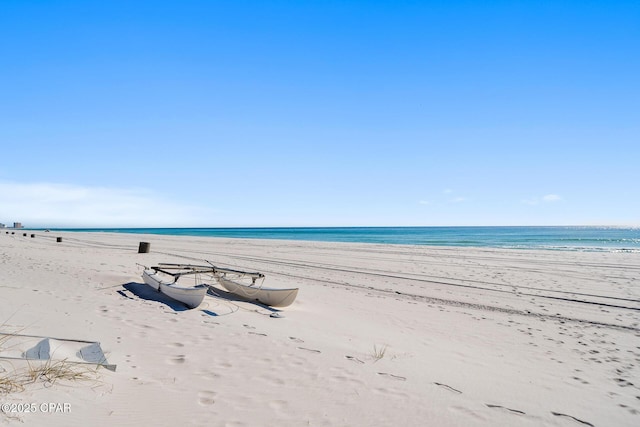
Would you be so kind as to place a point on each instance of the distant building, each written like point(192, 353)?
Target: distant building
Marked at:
point(17, 225)
point(2, 225)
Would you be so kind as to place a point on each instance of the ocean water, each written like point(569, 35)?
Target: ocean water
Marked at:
point(608, 239)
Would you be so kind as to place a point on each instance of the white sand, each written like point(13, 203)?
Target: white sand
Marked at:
point(471, 337)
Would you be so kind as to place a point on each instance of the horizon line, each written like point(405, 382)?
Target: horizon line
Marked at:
point(309, 226)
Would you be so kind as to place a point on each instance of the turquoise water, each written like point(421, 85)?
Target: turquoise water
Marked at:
point(609, 239)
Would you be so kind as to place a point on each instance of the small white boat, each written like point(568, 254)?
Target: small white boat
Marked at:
point(267, 296)
point(191, 296)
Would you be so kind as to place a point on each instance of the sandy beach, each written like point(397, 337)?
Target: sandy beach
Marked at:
point(380, 335)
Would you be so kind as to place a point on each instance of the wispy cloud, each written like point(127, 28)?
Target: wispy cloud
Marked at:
point(551, 198)
point(458, 200)
point(424, 202)
point(63, 205)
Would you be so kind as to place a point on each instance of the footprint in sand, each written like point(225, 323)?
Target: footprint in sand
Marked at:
point(295, 339)
point(206, 398)
point(354, 359)
point(558, 414)
point(248, 326)
point(309, 349)
point(395, 377)
point(225, 365)
point(209, 375)
point(448, 388)
point(175, 344)
point(581, 380)
point(177, 360)
point(257, 333)
point(515, 411)
point(622, 382)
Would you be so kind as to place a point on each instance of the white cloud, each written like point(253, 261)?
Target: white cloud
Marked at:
point(458, 200)
point(551, 198)
point(63, 205)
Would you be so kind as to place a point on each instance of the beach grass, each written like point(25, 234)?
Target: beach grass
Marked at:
point(379, 352)
point(10, 383)
point(52, 371)
point(48, 371)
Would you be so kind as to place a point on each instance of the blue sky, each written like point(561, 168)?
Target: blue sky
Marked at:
point(319, 113)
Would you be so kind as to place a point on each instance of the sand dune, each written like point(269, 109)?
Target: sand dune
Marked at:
point(380, 335)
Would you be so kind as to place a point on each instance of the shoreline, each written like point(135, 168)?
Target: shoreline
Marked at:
point(599, 238)
point(379, 333)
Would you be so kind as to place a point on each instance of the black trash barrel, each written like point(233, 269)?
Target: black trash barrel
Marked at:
point(143, 248)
